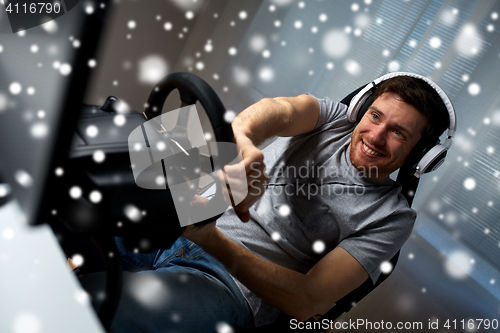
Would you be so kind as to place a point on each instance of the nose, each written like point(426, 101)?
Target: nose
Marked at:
point(378, 136)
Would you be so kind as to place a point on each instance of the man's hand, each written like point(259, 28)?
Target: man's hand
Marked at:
point(245, 191)
point(199, 233)
point(281, 116)
point(71, 264)
point(247, 180)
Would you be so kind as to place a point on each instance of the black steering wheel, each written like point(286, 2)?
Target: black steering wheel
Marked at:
point(191, 89)
point(179, 162)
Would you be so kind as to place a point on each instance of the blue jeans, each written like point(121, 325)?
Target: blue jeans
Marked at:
point(182, 289)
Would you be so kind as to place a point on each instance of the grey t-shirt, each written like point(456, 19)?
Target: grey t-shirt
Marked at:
point(317, 200)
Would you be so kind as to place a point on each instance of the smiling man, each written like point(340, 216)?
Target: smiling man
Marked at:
point(302, 262)
point(320, 217)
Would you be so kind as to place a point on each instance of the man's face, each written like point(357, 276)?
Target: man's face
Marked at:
point(385, 136)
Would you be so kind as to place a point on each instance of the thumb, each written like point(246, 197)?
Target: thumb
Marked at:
point(198, 201)
point(244, 216)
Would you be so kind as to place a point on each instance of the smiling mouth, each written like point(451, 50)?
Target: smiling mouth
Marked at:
point(369, 151)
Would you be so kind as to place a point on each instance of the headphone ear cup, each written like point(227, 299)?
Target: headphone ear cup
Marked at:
point(437, 162)
point(358, 101)
point(358, 106)
point(419, 151)
point(432, 160)
point(364, 107)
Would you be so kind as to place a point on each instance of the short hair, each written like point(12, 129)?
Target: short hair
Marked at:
point(424, 98)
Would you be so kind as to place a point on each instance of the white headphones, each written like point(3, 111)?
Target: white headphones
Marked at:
point(434, 157)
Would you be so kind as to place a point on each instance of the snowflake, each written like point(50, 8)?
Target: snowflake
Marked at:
point(336, 44)
point(319, 246)
point(75, 192)
point(95, 196)
point(386, 267)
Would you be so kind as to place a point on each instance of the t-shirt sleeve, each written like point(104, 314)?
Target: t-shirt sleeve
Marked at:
point(329, 111)
point(379, 243)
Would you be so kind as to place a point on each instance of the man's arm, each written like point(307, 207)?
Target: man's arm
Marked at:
point(283, 116)
point(298, 295)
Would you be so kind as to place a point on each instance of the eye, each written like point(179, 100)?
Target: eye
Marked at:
point(400, 134)
point(375, 116)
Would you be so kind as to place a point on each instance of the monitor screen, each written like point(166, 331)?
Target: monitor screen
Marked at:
point(44, 71)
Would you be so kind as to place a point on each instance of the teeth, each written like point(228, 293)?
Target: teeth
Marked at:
point(369, 151)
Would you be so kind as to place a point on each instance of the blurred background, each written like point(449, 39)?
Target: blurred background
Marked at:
point(250, 49)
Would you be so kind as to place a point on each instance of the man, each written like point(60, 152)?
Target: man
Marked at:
point(318, 222)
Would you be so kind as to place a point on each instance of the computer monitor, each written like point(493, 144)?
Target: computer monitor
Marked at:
point(45, 70)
